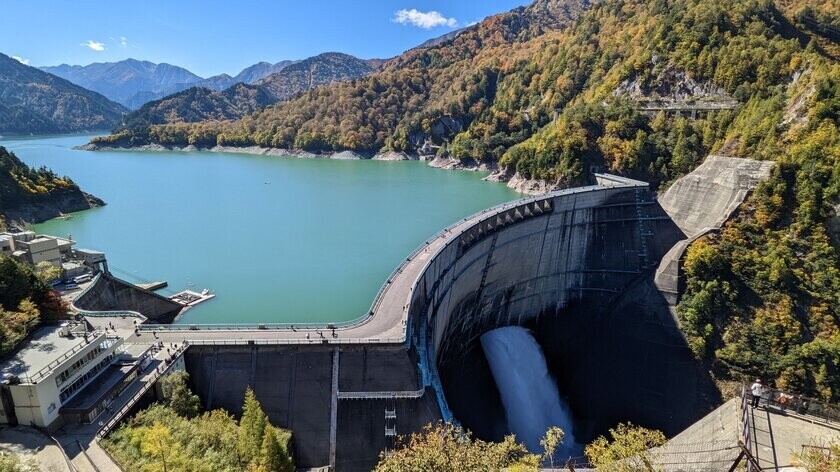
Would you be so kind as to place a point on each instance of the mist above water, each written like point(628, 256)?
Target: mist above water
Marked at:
point(528, 391)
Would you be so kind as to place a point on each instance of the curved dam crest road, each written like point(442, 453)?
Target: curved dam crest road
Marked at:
point(387, 321)
point(721, 181)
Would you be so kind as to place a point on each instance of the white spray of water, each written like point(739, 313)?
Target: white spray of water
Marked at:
point(529, 393)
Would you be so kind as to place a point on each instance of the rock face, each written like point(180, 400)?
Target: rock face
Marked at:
point(670, 84)
point(522, 185)
point(833, 225)
point(394, 156)
point(348, 156)
point(57, 204)
point(449, 163)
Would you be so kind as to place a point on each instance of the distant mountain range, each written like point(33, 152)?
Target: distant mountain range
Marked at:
point(133, 83)
point(200, 103)
point(33, 101)
point(124, 81)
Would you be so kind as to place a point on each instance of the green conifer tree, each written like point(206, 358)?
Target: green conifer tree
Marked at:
point(251, 429)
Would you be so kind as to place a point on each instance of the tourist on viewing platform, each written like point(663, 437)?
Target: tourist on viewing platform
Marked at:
point(757, 390)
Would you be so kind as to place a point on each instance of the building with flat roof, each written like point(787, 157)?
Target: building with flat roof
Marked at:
point(26, 246)
point(53, 367)
point(31, 248)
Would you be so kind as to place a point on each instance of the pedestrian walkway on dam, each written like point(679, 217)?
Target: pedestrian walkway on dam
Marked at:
point(769, 435)
point(783, 425)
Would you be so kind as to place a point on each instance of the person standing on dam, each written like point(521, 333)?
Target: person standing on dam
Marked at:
point(757, 390)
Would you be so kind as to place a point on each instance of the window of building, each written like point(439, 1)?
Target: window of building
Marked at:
point(78, 364)
point(69, 390)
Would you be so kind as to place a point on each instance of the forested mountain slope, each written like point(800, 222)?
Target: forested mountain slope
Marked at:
point(380, 107)
point(35, 102)
point(36, 195)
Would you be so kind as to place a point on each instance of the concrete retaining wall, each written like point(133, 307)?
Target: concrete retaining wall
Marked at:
point(703, 201)
point(112, 294)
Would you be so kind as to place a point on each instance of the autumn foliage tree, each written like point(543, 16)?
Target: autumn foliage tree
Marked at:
point(160, 438)
point(444, 447)
point(628, 449)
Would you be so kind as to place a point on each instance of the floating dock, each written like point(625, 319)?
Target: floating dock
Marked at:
point(191, 298)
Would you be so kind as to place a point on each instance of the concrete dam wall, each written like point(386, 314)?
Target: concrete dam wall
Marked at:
point(335, 400)
point(577, 268)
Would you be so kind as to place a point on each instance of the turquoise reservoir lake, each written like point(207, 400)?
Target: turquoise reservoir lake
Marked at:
point(276, 239)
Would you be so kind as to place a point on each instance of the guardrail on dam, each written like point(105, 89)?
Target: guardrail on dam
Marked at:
point(575, 266)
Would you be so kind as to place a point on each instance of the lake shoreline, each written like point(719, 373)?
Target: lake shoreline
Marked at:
point(270, 236)
point(513, 181)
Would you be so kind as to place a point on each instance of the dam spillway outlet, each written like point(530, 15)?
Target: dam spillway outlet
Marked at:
point(528, 392)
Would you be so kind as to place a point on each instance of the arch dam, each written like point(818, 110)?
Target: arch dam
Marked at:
point(583, 268)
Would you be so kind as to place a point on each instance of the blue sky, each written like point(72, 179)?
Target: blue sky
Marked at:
point(214, 36)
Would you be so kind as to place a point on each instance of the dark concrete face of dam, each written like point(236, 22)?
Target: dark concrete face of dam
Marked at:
point(294, 385)
point(581, 278)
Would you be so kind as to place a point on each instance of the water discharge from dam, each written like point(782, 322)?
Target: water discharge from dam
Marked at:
point(528, 391)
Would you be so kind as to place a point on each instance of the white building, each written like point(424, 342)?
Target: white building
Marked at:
point(63, 374)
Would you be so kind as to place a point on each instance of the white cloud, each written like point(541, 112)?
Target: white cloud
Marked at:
point(94, 45)
point(123, 42)
point(21, 60)
point(423, 19)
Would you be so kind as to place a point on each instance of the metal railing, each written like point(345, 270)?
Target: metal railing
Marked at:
point(44, 371)
point(801, 405)
point(745, 432)
point(381, 395)
point(112, 314)
point(241, 326)
point(284, 341)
